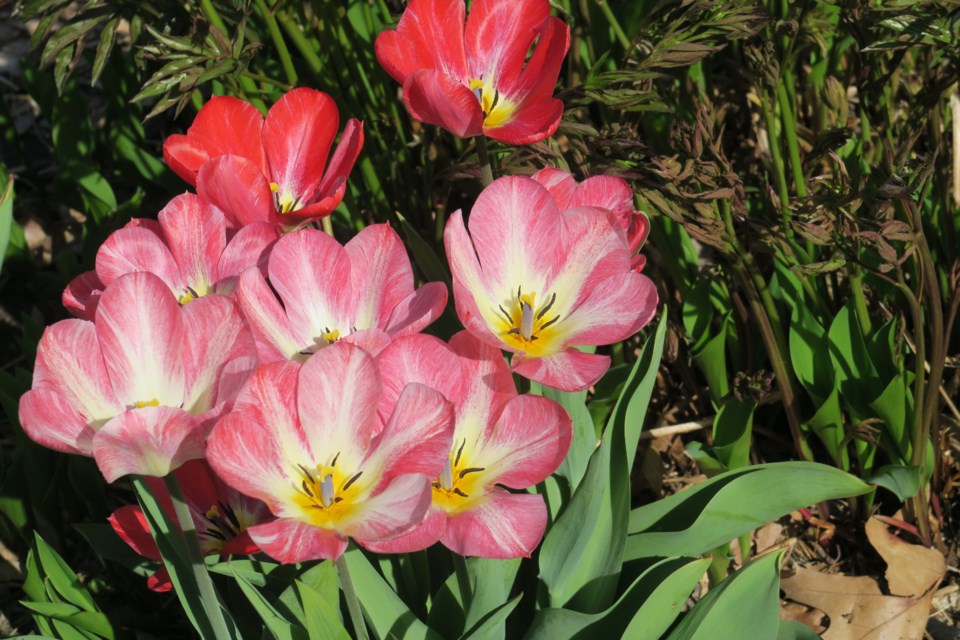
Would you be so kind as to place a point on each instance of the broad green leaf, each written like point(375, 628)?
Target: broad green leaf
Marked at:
point(109, 546)
point(712, 360)
point(491, 581)
point(827, 423)
point(903, 480)
point(810, 354)
point(646, 609)
point(704, 457)
point(430, 265)
point(387, 614)
point(62, 577)
point(584, 440)
point(280, 627)
point(714, 512)
point(745, 605)
point(491, 625)
point(322, 614)
point(698, 314)
point(858, 379)
point(6, 217)
point(581, 565)
point(320, 578)
point(732, 430)
point(894, 405)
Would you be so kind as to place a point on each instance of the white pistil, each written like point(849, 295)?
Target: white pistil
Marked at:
point(446, 476)
point(326, 491)
point(526, 320)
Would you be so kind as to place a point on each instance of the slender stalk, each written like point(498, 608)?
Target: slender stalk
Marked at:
point(855, 275)
point(614, 24)
point(327, 223)
point(249, 86)
point(207, 592)
point(463, 579)
point(483, 156)
point(353, 603)
point(779, 173)
point(302, 44)
point(790, 133)
point(274, 30)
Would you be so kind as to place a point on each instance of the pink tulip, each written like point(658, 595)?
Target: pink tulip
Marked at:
point(472, 77)
point(500, 440)
point(188, 249)
point(268, 170)
point(362, 292)
point(538, 281)
point(606, 192)
point(220, 515)
point(140, 385)
point(309, 442)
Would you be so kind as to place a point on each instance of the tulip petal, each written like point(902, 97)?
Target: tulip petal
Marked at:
point(196, 234)
point(417, 358)
point(150, 441)
point(471, 295)
point(429, 36)
point(238, 188)
point(507, 525)
point(418, 310)
point(417, 437)
point(380, 274)
point(297, 136)
point(341, 163)
point(398, 507)
point(52, 420)
point(82, 295)
point(527, 442)
point(373, 341)
point(420, 537)
point(275, 338)
point(559, 183)
point(606, 192)
point(498, 35)
point(337, 394)
point(224, 125)
point(539, 76)
point(436, 98)
point(134, 249)
point(130, 524)
point(570, 370)
point(140, 331)
point(532, 122)
point(216, 334)
point(614, 310)
point(311, 271)
point(487, 387)
point(289, 541)
point(249, 247)
point(70, 362)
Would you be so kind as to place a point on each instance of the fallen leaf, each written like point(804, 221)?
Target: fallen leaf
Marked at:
point(857, 609)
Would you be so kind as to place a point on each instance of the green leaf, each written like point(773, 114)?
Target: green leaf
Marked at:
point(382, 608)
point(581, 565)
point(322, 614)
point(109, 546)
point(321, 579)
point(903, 480)
point(491, 581)
point(6, 217)
point(810, 355)
point(280, 627)
point(646, 609)
point(732, 429)
point(61, 576)
point(714, 512)
point(584, 440)
point(745, 605)
point(491, 625)
point(859, 383)
point(894, 405)
point(432, 268)
point(827, 423)
point(108, 36)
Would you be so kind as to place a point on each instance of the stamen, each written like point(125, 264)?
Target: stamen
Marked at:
point(505, 314)
point(214, 533)
point(334, 463)
point(543, 311)
point(471, 470)
point(352, 480)
point(446, 476)
point(460, 493)
point(456, 460)
point(548, 323)
point(326, 491)
point(231, 516)
point(306, 489)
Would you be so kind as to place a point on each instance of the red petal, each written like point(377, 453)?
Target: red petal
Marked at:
point(130, 524)
point(498, 36)
point(434, 97)
point(237, 187)
point(429, 36)
point(342, 161)
point(82, 295)
point(532, 122)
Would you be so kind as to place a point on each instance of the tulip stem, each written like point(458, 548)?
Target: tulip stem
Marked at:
point(327, 223)
point(486, 170)
point(207, 593)
point(463, 579)
point(353, 603)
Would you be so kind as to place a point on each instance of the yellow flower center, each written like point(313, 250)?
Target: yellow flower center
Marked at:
point(224, 523)
point(526, 327)
point(460, 486)
point(497, 111)
point(140, 404)
point(283, 202)
point(327, 494)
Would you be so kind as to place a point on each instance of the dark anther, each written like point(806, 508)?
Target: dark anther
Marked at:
point(352, 480)
point(334, 463)
point(548, 323)
point(470, 470)
point(456, 460)
point(543, 311)
point(306, 489)
point(460, 493)
point(505, 314)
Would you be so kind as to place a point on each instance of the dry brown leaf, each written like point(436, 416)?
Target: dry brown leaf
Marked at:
point(858, 610)
point(768, 535)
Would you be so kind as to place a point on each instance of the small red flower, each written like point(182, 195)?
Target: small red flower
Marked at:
point(473, 77)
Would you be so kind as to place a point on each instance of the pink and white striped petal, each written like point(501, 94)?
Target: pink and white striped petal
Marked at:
point(141, 335)
point(196, 234)
point(420, 537)
point(475, 305)
point(487, 387)
point(380, 274)
point(51, 419)
point(418, 310)
point(289, 541)
point(417, 358)
point(507, 525)
point(150, 441)
point(400, 505)
point(249, 247)
point(527, 442)
point(311, 271)
point(275, 338)
point(217, 334)
point(134, 249)
point(559, 183)
point(337, 394)
point(613, 310)
point(569, 370)
point(83, 294)
point(70, 362)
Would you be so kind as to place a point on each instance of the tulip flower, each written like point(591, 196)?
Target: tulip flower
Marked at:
point(362, 292)
point(538, 281)
point(309, 442)
point(607, 192)
point(139, 386)
point(187, 249)
point(472, 77)
point(275, 170)
point(220, 514)
point(500, 440)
